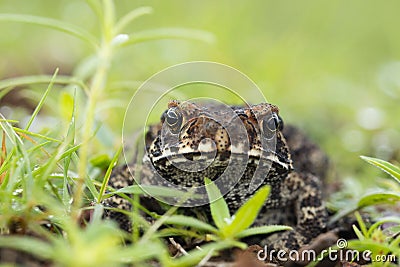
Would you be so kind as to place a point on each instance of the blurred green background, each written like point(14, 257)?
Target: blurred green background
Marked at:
point(333, 67)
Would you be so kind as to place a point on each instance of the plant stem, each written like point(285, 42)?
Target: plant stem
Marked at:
point(97, 86)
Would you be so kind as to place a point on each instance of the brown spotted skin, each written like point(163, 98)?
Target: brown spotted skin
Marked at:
point(120, 178)
point(295, 197)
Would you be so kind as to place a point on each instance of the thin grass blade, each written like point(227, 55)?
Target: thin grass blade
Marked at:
point(70, 139)
point(387, 167)
point(41, 102)
point(191, 222)
point(169, 33)
point(131, 16)
point(219, 208)
point(30, 245)
point(108, 174)
point(28, 80)
point(52, 24)
point(247, 213)
point(378, 198)
point(262, 230)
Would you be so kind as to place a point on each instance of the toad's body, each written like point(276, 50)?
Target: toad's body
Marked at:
point(241, 149)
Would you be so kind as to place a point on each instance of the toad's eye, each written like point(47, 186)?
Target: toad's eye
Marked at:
point(173, 118)
point(271, 124)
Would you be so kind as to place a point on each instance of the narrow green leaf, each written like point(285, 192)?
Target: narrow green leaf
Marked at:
point(43, 172)
point(151, 190)
point(396, 242)
point(196, 255)
point(169, 232)
point(31, 245)
point(95, 5)
point(219, 208)
point(378, 198)
point(27, 80)
point(92, 188)
point(108, 174)
point(246, 214)
point(262, 230)
point(101, 161)
point(66, 106)
point(368, 200)
point(9, 121)
point(131, 16)
point(361, 223)
point(53, 24)
point(18, 130)
point(368, 244)
point(358, 233)
point(139, 252)
point(70, 139)
point(24, 168)
point(169, 33)
point(382, 221)
point(191, 222)
point(387, 167)
point(41, 102)
point(5, 91)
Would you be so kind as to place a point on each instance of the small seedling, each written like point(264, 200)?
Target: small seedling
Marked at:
point(227, 229)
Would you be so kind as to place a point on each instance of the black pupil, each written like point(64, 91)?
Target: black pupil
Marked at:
point(172, 117)
point(273, 123)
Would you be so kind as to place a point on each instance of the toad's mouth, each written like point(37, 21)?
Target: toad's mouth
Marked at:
point(221, 158)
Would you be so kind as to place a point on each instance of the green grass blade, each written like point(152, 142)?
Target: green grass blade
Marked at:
point(246, 214)
point(368, 200)
point(24, 168)
point(219, 208)
point(24, 132)
point(131, 16)
point(170, 232)
point(161, 191)
point(28, 80)
point(394, 245)
point(378, 198)
point(71, 141)
point(95, 5)
point(191, 222)
point(5, 91)
point(92, 188)
point(368, 244)
point(41, 102)
point(108, 174)
point(139, 253)
point(34, 246)
point(43, 172)
point(381, 221)
point(196, 255)
point(358, 233)
point(387, 167)
point(53, 24)
point(262, 230)
point(361, 223)
point(169, 33)
point(9, 121)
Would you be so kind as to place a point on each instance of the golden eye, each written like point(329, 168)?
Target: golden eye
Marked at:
point(271, 124)
point(173, 118)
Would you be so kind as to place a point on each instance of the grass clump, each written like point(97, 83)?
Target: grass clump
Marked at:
point(49, 182)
